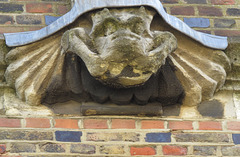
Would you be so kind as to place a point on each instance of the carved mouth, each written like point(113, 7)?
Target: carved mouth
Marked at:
point(125, 35)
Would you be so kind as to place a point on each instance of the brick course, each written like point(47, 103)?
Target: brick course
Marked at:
point(160, 137)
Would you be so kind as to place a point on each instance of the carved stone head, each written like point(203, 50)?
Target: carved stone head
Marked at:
point(123, 55)
point(120, 50)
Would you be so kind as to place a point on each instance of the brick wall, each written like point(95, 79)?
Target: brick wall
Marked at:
point(29, 15)
point(117, 136)
point(219, 17)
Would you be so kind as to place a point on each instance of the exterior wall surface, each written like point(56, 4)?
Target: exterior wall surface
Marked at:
point(73, 135)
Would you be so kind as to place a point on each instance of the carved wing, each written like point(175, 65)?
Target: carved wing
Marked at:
point(32, 66)
point(201, 71)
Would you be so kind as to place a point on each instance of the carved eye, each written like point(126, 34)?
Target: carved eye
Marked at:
point(105, 28)
point(136, 25)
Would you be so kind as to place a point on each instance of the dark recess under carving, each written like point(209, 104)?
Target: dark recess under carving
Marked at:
point(77, 84)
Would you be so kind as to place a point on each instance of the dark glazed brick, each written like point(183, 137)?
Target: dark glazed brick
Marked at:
point(236, 138)
point(169, 1)
point(83, 149)
point(179, 10)
point(25, 135)
point(29, 19)
point(224, 23)
point(23, 147)
point(204, 150)
point(50, 19)
point(197, 22)
point(2, 148)
point(5, 19)
point(211, 108)
point(233, 12)
point(7, 8)
point(68, 136)
point(231, 151)
point(201, 137)
point(158, 137)
point(209, 11)
point(52, 148)
point(196, 1)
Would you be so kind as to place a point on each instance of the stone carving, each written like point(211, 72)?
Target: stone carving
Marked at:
point(120, 50)
point(122, 55)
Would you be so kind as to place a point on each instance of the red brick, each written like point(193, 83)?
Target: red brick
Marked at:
point(62, 9)
point(11, 123)
point(228, 33)
point(123, 124)
point(37, 123)
point(209, 11)
point(209, 125)
point(179, 10)
point(142, 151)
point(233, 126)
point(39, 8)
point(180, 125)
point(66, 123)
point(223, 2)
point(95, 124)
point(174, 150)
point(152, 124)
point(2, 148)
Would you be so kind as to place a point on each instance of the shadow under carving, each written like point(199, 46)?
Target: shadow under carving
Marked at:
point(77, 84)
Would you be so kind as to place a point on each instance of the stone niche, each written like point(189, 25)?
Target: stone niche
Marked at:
point(114, 61)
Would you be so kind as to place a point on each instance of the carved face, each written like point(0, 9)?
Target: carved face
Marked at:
point(121, 50)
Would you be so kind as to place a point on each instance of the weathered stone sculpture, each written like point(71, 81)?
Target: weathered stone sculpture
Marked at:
point(120, 51)
point(120, 41)
point(118, 55)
